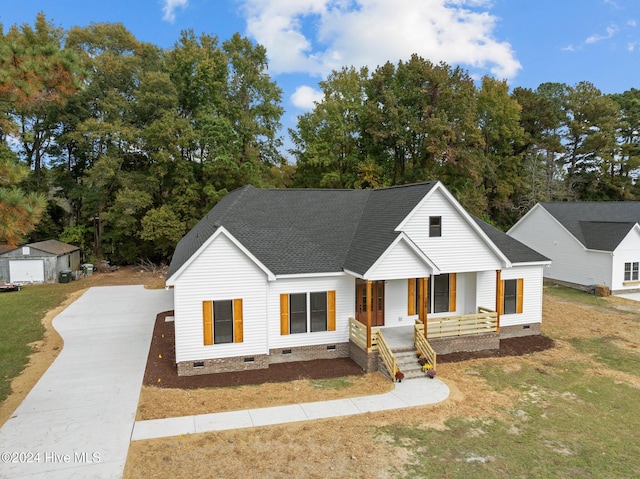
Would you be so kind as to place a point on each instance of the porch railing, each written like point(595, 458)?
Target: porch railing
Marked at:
point(423, 345)
point(387, 356)
point(358, 334)
point(484, 321)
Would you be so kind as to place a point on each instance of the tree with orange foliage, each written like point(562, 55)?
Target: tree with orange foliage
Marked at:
point(37, 77)
point(19, 212)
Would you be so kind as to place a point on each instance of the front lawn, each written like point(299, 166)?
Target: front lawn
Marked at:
point(21, 316)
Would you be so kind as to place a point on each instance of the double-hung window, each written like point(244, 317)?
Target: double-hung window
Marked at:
point(631, 271)
point(222, 321)
point(512, 296)
point(434, 294)
point(307, 312)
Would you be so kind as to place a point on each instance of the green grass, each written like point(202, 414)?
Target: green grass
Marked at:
point(333, 383)
point(576, 295)
point(20, 322)
point(604, 350)
point(567, 421)
point(564, 425)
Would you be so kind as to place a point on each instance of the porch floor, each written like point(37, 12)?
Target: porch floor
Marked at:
point(399, 338)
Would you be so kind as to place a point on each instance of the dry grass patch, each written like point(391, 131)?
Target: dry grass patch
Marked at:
point(156, 403)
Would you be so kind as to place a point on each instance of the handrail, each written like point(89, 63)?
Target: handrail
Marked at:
point(387, 356)
point(358, 334)
point(423, 345)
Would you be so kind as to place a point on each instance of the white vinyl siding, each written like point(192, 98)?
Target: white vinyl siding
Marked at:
point(343, 285)
point(397, 296)
point(221, 272)
point(486, 289)
point(532, 301)
point(396, 311)
point(400, 261)
point(570, 261)
point(628, 251)
point(460, 248)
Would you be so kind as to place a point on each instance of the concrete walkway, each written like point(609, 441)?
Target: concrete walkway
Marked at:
point(409, 393)
point(77, 420)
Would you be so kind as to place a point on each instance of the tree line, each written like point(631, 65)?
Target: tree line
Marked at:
point(498, 151)
point(120, 147)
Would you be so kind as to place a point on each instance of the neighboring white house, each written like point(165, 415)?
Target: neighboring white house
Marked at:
point(39, 262)
point(273, 275)
point(589, 243)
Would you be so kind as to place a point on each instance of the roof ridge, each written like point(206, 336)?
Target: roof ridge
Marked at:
point(240, 193)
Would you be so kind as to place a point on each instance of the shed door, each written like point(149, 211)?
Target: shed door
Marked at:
point(26, 271)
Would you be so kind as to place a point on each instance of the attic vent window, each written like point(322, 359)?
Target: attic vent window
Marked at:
point(26, 250)
point(435, 226)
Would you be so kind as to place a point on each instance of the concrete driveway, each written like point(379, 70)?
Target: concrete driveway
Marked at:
point(77, 420)
point(633, 296)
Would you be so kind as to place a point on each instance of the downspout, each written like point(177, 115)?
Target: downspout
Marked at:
point(425, 296)
point(498, 298)
point(369, 306)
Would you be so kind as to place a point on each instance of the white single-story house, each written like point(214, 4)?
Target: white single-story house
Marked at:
point(274, 275)
point(39, 262)
point(590, 243)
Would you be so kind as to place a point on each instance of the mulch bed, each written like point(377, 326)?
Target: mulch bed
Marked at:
point(161, 364)
point(508, 347)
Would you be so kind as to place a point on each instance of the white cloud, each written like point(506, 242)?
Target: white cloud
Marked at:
point(611, 31)
point(170, 7)
point(631, 23)
point(317, 36)
point(306, 97)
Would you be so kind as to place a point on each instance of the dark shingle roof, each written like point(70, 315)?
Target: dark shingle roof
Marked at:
point(515, 251)
point(384, 211)
point(293, 231)
point(289, 230)
point(54, 247)
point(599, 225)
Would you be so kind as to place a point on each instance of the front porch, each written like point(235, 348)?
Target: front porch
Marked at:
point(469, 332)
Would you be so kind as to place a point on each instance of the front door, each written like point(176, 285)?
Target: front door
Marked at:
point(377, 311)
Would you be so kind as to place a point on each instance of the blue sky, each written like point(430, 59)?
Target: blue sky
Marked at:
point(526, 42)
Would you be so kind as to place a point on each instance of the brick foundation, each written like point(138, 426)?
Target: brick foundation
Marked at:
point(478, 342)
point(519, 330)
point(262, 361)
point(367, 361)
point(223, 365)
point(308, 353)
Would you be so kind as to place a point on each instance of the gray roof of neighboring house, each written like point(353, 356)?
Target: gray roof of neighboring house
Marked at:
point(511, 247)
point(599, 225)
point(293, 231)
